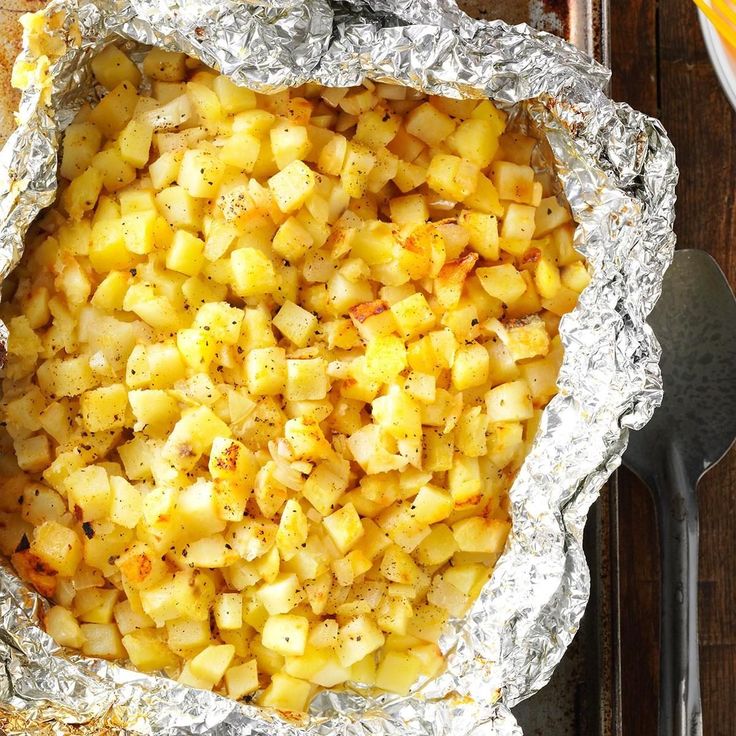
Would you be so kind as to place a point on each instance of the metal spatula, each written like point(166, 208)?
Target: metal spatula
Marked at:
point(695, 322)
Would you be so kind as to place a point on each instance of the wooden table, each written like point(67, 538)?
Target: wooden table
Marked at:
point(660, 66)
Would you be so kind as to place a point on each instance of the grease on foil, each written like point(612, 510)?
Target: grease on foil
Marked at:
point(618, 172)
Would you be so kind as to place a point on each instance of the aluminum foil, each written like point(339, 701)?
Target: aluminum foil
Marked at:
point(618, 172)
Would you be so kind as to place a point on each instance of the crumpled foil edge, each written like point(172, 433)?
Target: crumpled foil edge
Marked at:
point(618, 172)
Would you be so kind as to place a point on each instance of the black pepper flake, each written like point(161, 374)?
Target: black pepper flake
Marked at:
point(88, 530)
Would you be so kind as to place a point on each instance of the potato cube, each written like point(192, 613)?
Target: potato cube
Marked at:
point(81, 195)
point(242, 679)
point(429, 124)
point(193, 436)
point(212, 662)
point(292, 186)
point(185, 635)
point(200, 173)
point(166, 66)
point(475, 140)
point(344, 527)
point(57, 547)
point(102, 640)
point(409, 209)
point(233, 98)
point(503, 282)
point(280, 595)
point(104, 408)
point(293, 530)
point(385, 358)
point(165, 169)
point(483, 231)
point(147, 652)
point(547, 278)
point(481, 534)
point(471, 367)
point(286, 634)
point(289, 142)
point(81, 142)
point(513, 182)
point(135, 143)
point(358, 164)
point(452, 177)
point(295, 323)
point(464, 480)
point(111, 66)
point(306, 380)
point(286, 693)
point(413, 315)
point(324, 487)
point(63, 628)
point(229, 611)
point(397, 672)
point(116, 172)
point(139, 229)
point(550, 215)
point(432, 504)
point(518, 224)
point(266, 371)
point(509, 402)
point(357, 639)
point(33, 454)
point(88, 490)
point(575, 276)
point(438, 547)
point(253, 272)
point(186, 254)
point(292, 240)
point(126, 506)
point(115, 109)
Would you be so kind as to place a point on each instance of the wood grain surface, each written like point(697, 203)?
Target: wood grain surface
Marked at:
point(660, 65)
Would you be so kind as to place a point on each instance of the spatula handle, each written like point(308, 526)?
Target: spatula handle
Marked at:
point(680, 712)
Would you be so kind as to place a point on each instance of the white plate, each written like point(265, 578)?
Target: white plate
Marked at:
point(723, 58)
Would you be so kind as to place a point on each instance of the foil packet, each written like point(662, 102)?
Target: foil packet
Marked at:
point(617, 169)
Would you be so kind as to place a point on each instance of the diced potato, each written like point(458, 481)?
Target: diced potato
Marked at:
point(233, 98)
point(292, 186)
point(295, 323)
point(357, 639)
point(397, 672)
point(81, 142)
point(429, 124)
point(63, 628)
point(200, 173)
point(344, 527)
point(503, 282)
point(253, 272)
point(509, 402)
point(286, 693)
point(135, 143)
point(477, 534)
point(102, 640)
point(167, 66)
point(211, 663)
point(242, 679)
point(115, 109)
point(111, 66)
point(286, 634)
